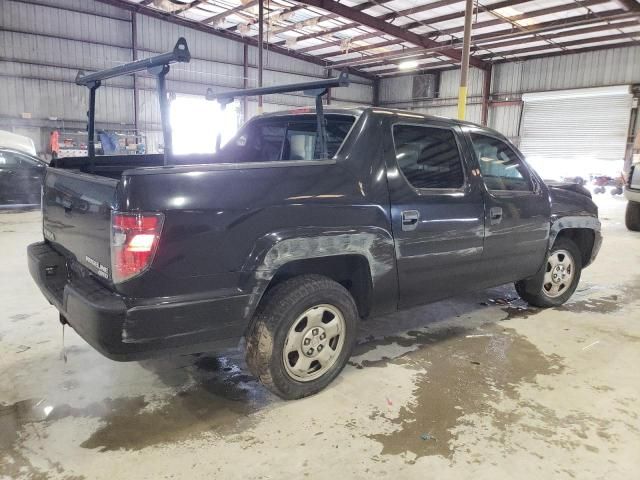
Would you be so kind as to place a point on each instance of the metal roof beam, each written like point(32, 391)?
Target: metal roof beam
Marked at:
point(189, 6)
point(400, 53)
point(255, 20)
point(231, 11)
point(630, 5)
point(422, 8)
point(495, 6)
point(527, 16)
point(195, 25)
point(479, 40)
point(557, 25)
point(422, 67)
point(596, 48)
point(571, 43)
point(331, 16)
point(553, 36)
point(510, 33)
point(387, 28)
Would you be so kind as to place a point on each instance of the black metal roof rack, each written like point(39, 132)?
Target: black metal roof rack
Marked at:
point(158, 66)
point(316, 88)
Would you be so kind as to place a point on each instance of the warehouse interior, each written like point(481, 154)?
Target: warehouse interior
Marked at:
point(481, 384)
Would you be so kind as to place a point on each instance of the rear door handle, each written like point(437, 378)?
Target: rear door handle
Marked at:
point(410, 220)
point(495, 214)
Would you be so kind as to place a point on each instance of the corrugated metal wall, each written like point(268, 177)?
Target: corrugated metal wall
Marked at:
point(43, 44)
point(618, 66)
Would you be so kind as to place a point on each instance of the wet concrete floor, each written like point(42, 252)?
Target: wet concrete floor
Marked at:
point(477, 386)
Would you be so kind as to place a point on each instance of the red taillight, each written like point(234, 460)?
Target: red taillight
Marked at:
point(134, 241)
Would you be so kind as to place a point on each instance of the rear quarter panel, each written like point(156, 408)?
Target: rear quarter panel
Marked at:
point(228, 230)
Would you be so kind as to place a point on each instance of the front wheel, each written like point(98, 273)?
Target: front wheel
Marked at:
point(303, 335)
point(558, 280)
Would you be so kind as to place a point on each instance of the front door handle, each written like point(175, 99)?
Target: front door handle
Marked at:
point(495, 214)
point(410, 220)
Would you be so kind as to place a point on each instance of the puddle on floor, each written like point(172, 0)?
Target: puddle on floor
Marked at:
point(465, 372)
point(606, 304)
point(219, 398)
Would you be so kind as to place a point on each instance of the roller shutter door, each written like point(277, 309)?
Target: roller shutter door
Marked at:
point(580, 128)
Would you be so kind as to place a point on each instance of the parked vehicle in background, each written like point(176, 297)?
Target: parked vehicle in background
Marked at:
point(20, 178)
point(632, 194)
point(606, 184)
point(16, 142)
point(575, 179)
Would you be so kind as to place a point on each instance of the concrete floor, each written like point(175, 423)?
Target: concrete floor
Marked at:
point(466, 388)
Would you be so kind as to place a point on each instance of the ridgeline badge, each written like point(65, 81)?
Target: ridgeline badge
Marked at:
point(101, 269)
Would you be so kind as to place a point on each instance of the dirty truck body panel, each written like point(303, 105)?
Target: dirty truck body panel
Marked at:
point(230, 225)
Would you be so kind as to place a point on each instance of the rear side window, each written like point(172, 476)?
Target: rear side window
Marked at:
point(428, 156)
point(501, 168)
point(285, 138)
point(15, 160)
point(9, 159)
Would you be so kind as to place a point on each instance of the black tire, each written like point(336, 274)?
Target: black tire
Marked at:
point(276, 314)
point(533, 290)
point(632, 216)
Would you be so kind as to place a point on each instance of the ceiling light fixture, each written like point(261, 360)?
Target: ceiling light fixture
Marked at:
point(409, 64)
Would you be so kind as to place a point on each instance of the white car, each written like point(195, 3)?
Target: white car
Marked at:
point(20, 143)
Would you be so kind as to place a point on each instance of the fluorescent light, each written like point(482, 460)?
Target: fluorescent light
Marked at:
point(409, 64)
point(511, 12)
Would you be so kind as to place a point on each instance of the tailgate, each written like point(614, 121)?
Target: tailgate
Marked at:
point(76, 210)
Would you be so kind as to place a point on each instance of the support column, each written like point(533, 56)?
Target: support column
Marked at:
point(134, 50)
point(329, 75)
point(245, 82)
point(466, 50)
point(376, 92)
point(486, 95)
point(260, 48)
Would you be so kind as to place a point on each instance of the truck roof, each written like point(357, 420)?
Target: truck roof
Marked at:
point(357, 111)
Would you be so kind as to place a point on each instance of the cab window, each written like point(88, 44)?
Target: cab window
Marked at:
point(428, 156)
point(285, 138)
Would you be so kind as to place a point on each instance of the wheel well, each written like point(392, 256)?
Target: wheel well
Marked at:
point(350, 271)
point(583, 238)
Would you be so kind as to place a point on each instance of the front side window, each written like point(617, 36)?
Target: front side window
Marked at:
point(428, 156)
point(283, 138)
point(501, 168)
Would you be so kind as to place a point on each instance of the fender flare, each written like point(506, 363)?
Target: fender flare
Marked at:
point(557, 225)
point(276, 249)
point(562, 223)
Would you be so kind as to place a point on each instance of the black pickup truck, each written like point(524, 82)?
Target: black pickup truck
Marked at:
point(266, 240)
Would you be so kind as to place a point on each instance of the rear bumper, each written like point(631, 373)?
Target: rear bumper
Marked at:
point(632, 195)
point(123, 330)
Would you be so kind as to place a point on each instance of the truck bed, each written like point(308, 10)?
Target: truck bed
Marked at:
point(112, 166)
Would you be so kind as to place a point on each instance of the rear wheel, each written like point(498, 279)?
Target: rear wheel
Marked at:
point(302, 336)
point(632, 216)
point(559, 278)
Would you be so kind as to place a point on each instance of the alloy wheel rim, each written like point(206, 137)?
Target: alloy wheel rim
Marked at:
point(559, 273)
point(314, 343)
